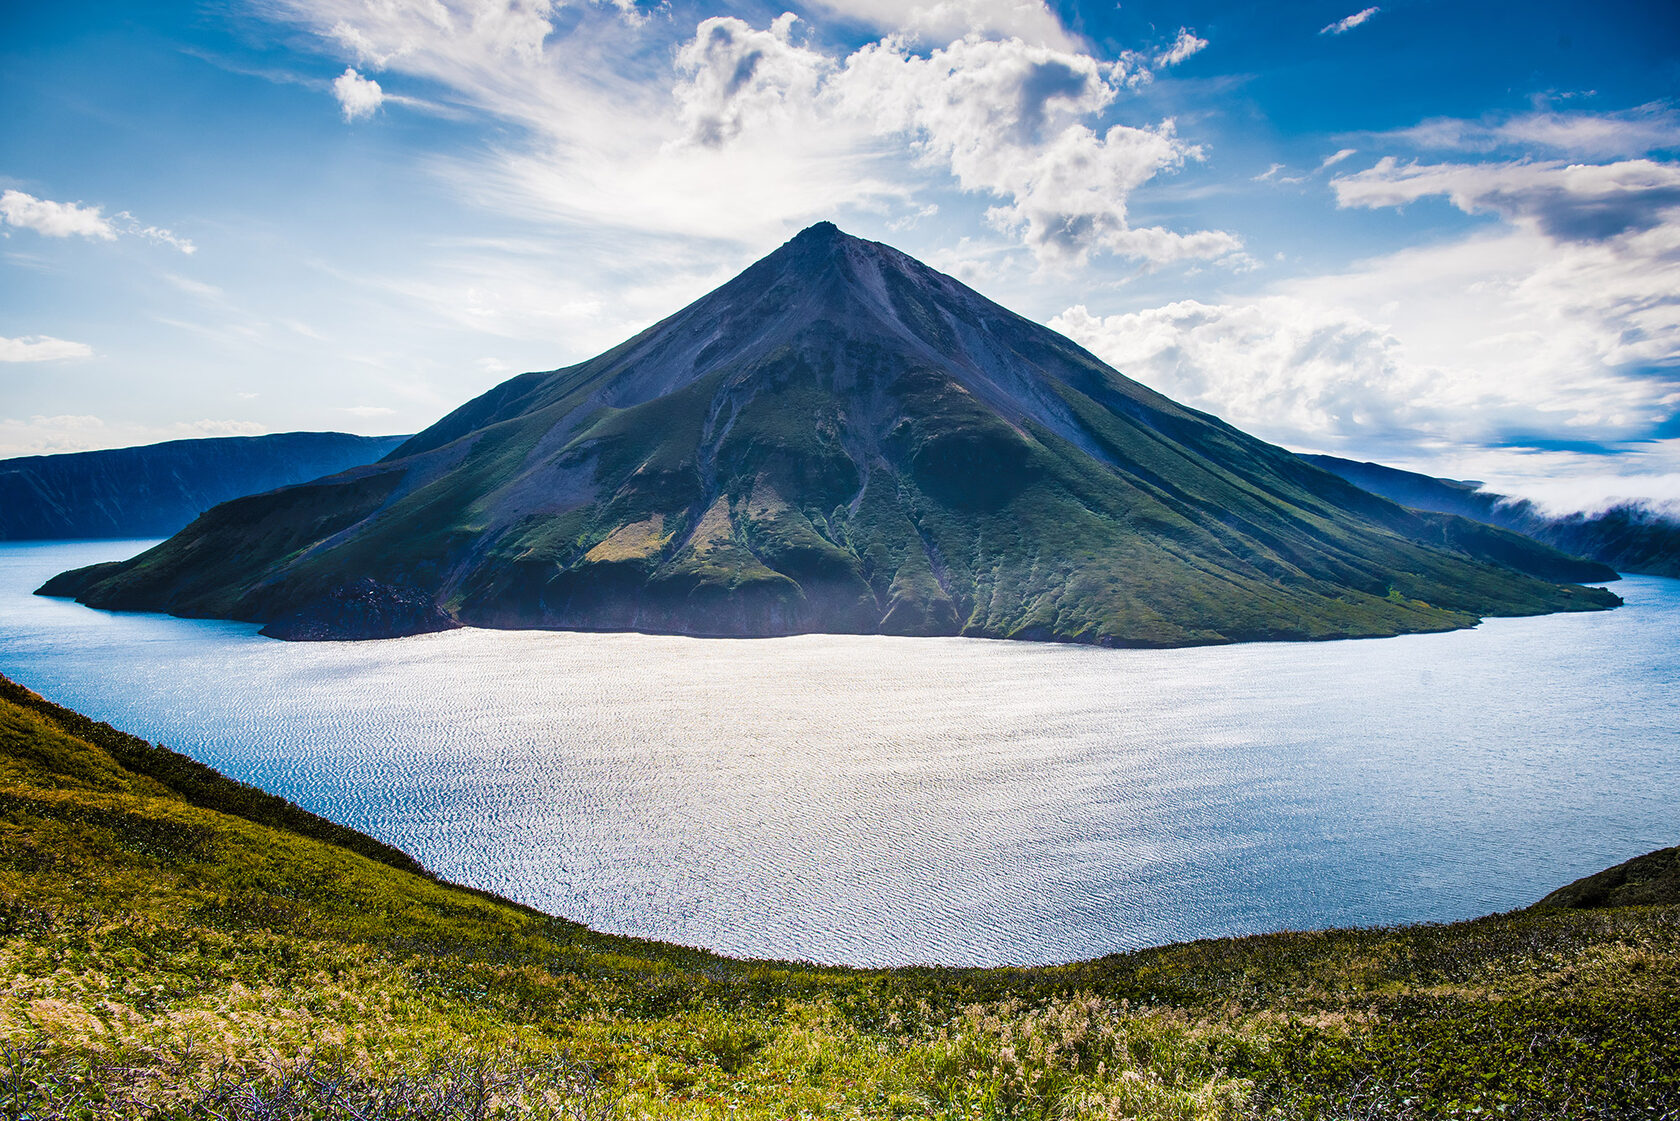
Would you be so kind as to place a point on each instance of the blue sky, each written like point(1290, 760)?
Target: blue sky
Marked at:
point(1438, 235)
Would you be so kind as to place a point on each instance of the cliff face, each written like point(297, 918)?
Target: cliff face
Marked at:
point(841, 439)
point(155, 490)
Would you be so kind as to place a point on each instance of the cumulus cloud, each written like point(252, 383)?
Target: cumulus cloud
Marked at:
point(54, 219)
point(1183, 47)
point(1348, 23)
point(1504, 339)
point(1558, 328)
point(749, 129)
point(1007, 119)
point(943, 21)
point(68, 219)
point(736, 73)
point(1292, 370)
point(1569, 202)
point(357, 96)
point(41, 348)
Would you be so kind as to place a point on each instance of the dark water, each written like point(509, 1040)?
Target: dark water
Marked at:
point(880, 800)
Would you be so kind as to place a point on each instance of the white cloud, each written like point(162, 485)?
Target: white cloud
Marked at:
point(1505, 338)
point(1559, 329)
point(367, 410)
point(743, 132)
point(1630, 132)
point(357, 96)
point(1338, 157)
point(1593, 492)
point(1005, 118)
point(66, 219)
point(54, 219)
point(944, 21)
point(735, 73)
point(1348, 23)
point(1569, 202)
point(1183, 47)
point(1288, 369)
point(41, 348)
point(51, 435)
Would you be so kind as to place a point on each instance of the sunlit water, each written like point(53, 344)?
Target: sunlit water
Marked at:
point(883, 800)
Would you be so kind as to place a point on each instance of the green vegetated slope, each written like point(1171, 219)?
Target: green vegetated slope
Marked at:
point(841, 439)
point(175, 944)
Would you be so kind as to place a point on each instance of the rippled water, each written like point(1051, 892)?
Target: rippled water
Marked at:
point(883, 800)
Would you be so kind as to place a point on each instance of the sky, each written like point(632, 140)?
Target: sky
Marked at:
point(1443, 236)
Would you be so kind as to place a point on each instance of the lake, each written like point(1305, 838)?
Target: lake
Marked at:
point(873, 800)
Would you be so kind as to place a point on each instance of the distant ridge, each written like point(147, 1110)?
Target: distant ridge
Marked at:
point(841, 439)
point(157, 489)
point(1628, 537)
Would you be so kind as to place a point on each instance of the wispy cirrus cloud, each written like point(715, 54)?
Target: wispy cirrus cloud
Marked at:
point(1182, 48)
point(1583, 135)
point(1348, 23)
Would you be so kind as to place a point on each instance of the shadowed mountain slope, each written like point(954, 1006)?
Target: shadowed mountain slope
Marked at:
point(1628, 536)
point(840, 439)
point(157, 489)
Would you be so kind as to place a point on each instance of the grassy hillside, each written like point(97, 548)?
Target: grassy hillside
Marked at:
point(175, 944)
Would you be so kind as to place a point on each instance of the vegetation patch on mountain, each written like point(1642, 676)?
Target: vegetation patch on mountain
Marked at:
point(841, 439)
point(176, 945)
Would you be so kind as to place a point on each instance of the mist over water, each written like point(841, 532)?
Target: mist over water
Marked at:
point(881, 801)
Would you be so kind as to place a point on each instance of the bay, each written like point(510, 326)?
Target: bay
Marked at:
point(871, 800)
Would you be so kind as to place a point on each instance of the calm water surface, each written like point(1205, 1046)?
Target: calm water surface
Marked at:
point(882, 800)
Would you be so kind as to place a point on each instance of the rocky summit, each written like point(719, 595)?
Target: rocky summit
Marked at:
point(841, 439)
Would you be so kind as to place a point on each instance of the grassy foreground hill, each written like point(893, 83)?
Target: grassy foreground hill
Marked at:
point(175, 944)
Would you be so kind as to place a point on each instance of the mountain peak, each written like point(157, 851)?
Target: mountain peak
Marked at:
point(821, 231)
point(838, 439)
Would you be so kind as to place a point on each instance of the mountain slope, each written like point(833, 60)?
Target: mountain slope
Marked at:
point(840, 439)
point(1627, 536)
point(205, 956)
point(155, 490)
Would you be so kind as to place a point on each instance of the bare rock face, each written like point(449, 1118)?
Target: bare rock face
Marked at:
point(839, 439)
point(363, 609)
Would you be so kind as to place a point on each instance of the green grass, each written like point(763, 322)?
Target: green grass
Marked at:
point(173, 943)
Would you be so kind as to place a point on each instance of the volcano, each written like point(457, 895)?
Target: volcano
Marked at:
point(840, 439)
